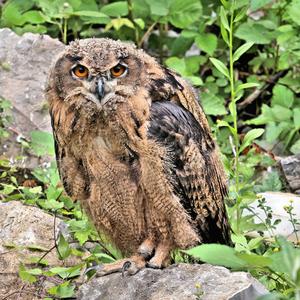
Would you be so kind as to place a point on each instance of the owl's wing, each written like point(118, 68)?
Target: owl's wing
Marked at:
point(193, 168)
point(71, 170)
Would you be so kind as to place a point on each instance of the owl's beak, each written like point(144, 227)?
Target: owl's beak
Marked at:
point(100, 88)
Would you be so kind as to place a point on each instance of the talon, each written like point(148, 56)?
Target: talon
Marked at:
point(126, 266)
point(152, 265)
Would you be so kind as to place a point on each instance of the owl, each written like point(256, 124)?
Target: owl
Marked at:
point(134, 146)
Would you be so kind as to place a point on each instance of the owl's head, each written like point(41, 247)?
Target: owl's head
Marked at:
point(102, 71)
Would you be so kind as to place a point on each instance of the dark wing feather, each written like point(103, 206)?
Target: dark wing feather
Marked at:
point(194, 169)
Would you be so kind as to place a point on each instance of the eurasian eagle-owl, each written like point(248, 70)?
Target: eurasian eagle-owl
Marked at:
point(134, 146)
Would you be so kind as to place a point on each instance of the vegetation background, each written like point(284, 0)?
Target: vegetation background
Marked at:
point(243, 58)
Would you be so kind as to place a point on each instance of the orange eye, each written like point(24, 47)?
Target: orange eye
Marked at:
point(80, 71)
point(118, 70)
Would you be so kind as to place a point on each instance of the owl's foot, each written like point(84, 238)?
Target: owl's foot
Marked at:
point(161, 257)
point(146, 248)
point(128, 266)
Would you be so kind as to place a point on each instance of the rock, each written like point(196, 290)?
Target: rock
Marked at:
point(23, 226)
point(182, 281)
point(291, 170)
point(277, 201)
point(27, 60)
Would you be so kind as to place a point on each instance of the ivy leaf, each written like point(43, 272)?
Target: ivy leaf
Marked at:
point(220, 66)
point(207, 42)
point(241, 50)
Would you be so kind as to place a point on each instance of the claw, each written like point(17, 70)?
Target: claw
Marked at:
point(126, 266)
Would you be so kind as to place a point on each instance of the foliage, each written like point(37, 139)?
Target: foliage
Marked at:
point(243, 57)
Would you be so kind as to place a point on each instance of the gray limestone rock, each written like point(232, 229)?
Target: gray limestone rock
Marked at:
point(291, 169)
point(182, 281)
point(22, 227)
point(24, 65)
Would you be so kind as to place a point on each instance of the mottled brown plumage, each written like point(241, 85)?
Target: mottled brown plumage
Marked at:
point(136, 150)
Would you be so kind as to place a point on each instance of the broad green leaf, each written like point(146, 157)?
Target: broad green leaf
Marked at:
point(247, 85)
point(220, 66)
point(50, 204)
point(250, 136)
point(296, 117)
point(63, 247)
point(195, 80)
point(241, 50)
point(85, 13)
point(35, 271)
point(217, 255)
point(212, 104)
point(115, 9)
point(282, 96)
point(140, 22)
point(273, 130)
point(224, 20)
point(295, 149)
point(254, 243)
point(184, 13)
point(159, 8)
point(105, 258)
point(293, 11)
point(42, 143)
point(177, 64)
point(34, 17)
point(118, 23)
point(207, 42)
point(254, 33)
point(64, 290)
point(281, 113)
point(287, 260)
point(257, 4)
point(82, 236)
point(11, 15)
point(25, 275)
point(254, 260)
point(66, 272)
point(265, 117)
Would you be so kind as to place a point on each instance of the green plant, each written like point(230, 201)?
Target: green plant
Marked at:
point(243, 57)
point(5, 118)
point(280, 264)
